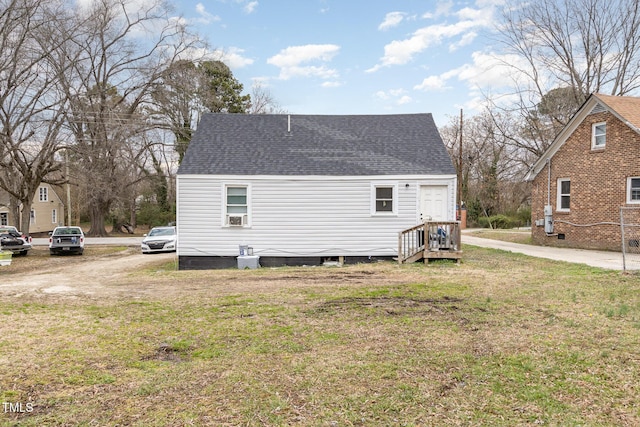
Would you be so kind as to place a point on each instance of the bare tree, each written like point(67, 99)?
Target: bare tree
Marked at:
point(568, 49)
point(490, 167)
point(119, 54)
point(31, 113)
point(263, 102)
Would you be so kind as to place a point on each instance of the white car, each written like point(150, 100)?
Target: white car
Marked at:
point(160, 239)
point(66, 240)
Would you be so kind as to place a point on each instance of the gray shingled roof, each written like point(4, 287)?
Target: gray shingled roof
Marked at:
point(355, 145)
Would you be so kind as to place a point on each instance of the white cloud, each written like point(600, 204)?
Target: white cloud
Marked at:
point(466, 40)
point(234, 59)
point(396, 96)
point(205, 17)
point(391, 19)
point(250, 7)
point(404, 100)
point(432, 83)
point(462, 32)
point(331, 84)
point(293, 61)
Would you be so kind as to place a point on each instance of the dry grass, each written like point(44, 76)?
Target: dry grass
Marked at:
point(501, 339)
point(514, 235)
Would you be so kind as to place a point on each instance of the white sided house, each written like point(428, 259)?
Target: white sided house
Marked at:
point(303, 189)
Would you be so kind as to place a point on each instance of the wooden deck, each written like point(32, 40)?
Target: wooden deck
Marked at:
point(442, 242)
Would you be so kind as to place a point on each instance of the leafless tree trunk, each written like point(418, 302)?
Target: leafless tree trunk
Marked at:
point(121, 51)
point(30, 106)
point(567, 49)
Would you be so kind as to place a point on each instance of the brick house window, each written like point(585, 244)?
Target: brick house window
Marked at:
point(598, 135)
point(633, 190)
point(564, 195)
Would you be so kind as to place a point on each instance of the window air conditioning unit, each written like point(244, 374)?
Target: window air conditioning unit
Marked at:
point(236, 220)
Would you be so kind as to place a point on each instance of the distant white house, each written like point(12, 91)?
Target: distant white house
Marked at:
point(301, 189)
point(47, 210)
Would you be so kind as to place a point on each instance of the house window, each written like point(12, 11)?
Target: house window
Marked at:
point(32, 217)
point(54, 216)
point(633, 190)
point(237, 206)
point(384, 199)
point(4, 218)
point(564, 194)
point(598, 135)
point(44, 194)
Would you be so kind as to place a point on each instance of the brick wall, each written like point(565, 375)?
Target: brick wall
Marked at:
point(598, 186)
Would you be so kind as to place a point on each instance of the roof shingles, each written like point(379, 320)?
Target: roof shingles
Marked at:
point(324, 145)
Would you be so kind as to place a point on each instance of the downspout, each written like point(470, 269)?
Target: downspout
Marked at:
point(548, 181)
point(548, 210)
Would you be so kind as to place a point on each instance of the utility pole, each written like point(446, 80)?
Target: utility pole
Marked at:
point(460, 171)
point(66, 161)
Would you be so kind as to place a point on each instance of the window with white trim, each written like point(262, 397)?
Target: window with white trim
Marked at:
point(564, 195)
point(384, 199)
point(32, 217)
point(54, 216)
point(598, 135)
point(44, 194)
point(236, 205)
point(633, 189)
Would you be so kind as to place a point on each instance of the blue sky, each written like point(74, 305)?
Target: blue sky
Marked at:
point(358, 56)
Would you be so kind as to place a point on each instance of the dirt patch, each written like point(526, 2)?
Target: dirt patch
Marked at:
point(74, 275)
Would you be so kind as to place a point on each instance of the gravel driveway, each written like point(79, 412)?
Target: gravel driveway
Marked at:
point(88, 274)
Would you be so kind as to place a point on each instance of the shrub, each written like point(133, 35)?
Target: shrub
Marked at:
point(498, 221)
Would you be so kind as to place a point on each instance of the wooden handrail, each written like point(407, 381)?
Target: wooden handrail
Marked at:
point(411, 244)
point(430, 236)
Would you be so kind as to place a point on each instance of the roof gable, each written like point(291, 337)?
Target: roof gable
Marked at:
point(625, 108)
point(242, 144)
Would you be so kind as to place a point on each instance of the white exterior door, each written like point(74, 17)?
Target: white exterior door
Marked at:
point(434, 202)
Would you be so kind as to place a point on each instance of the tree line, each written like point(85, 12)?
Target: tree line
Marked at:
point(100, 95)
point(105, 95)
point(558, 53)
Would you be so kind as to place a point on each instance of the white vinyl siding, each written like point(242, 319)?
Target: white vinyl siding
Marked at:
point(293, 217)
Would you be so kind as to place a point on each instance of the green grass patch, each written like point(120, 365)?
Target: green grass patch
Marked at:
point(501, 339)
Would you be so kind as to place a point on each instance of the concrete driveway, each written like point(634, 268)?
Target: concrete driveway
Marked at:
point(602, 259)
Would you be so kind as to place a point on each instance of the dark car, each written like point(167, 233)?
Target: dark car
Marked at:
point(12, 240)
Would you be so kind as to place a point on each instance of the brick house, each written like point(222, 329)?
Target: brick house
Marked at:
point(589, 172)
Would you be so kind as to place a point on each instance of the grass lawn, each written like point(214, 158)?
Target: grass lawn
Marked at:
point(513, 235)
point(501, 339)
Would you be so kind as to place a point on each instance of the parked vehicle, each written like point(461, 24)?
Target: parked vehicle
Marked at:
point(12, 240)
point(66, 240)
point(160, 239)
